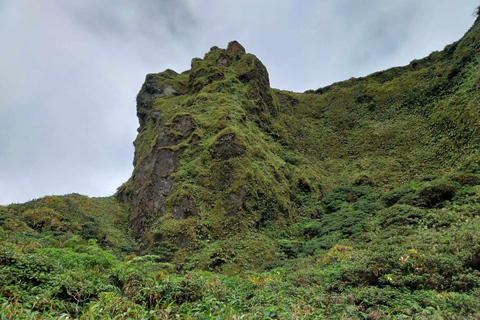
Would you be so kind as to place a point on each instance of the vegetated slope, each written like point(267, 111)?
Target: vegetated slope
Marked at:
point(357, 200)
point(56, 220)
point(220, 153)
point(394, 125)
point(209, 159)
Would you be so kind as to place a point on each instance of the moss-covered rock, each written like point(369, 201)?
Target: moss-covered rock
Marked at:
point(209, 160)
point(219, 152)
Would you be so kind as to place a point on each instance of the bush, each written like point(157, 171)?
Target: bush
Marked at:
point(395, 195)
point(398, 215)
point(346, 195)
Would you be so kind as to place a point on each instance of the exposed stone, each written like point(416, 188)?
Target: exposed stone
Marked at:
point(152, 90)
point(194, 141)
point(151, 177)
point(152, 185)
point(165, 90)
point(376, 315)
point(236, 201)
point(185, 125)
point(185, 209)
point(123, 194)
point(235, 46)
point(183, 240)
point(156, 115)
point(226, 147)
point(222, 62)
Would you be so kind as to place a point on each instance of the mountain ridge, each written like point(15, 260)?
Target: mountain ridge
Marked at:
point(358, 124)
point(357, 200)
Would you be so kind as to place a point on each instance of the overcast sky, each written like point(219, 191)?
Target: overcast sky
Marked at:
point(70, 70)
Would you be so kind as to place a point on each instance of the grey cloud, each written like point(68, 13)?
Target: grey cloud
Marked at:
point(150, 18)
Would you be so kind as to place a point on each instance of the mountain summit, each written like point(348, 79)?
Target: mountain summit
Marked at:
point(220, 153)
point(210, 152)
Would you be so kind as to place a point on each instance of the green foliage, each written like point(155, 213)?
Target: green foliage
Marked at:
point(260, 158)
point(348, 211)
point(357, 200)
point(399, 215)
point(56, 219)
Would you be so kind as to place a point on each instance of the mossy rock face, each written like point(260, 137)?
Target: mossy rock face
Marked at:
point(209, 160)
point(152, 181)
point(234, 46)
point(220, 153)
point(225, 147)
point(155, 86)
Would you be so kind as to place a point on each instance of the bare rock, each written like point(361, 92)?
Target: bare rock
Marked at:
point(226, 147)
point(376, 315)
point(236, 201)
point(152, 182)
point(151, 90)
point(223, 62)
point(185, 209)
point(234, 46)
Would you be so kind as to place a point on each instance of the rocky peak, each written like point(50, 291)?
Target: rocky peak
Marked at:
point(235, 46)
point(217, 66)
point(200, 133)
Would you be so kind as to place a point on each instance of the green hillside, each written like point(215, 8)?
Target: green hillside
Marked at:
point(360, 200)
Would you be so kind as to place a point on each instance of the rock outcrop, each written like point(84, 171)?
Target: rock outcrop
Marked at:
point(206, 161)
point(219, 153)
point(152, 182)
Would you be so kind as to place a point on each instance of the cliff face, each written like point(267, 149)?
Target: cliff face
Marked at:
point(220, 153)
point(208, 159)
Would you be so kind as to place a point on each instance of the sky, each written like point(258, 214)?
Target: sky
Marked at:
point(71, 70)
